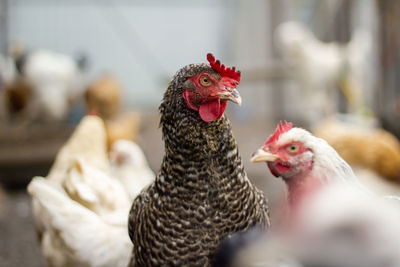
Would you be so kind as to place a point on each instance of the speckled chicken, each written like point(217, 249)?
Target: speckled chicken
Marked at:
point(201, 193)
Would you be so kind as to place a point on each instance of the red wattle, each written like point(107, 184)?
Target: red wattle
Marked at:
point(210, 111)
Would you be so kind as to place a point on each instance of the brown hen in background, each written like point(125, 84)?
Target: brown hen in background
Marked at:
point(371, 148)
point(103, 98)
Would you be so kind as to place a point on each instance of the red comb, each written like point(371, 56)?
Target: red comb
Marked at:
point(222, 70)
point(280, 129)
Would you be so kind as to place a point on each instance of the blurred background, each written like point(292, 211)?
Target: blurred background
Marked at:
point(326, 66)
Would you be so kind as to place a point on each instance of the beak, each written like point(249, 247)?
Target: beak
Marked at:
point(231, 96)
point(262, 156)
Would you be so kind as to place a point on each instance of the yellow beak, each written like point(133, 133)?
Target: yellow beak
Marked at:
point(262, 156)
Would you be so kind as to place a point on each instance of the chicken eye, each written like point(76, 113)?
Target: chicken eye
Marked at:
point(204, 80)
point(293, 148)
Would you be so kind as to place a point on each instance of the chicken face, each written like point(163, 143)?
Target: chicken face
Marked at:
point(285, 160)
point(286, 157)
point(208, 92)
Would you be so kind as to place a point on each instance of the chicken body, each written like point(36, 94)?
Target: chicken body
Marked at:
point(73, 235)
point(333, 219)
point(345, 65)
point(201, 193)
point(56, 82)
point(104, 96)
point(129, 164)
point(369, 148)
point(81, 208)
point(337, 226)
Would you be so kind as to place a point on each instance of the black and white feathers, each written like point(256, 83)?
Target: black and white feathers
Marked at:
point(201, 193)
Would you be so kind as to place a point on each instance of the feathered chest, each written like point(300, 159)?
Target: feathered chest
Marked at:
point(195, 214)
point(200, 195)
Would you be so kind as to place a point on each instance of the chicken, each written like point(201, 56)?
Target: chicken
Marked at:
point(129, 164)
point(322, 68)
point(103, 98)
point(56, 83)
point(81, 209)
point(201, 193)
point(337, 226)
point(74, 235)
point(97, 191)
point(304, 161)
point(333, 219)
point(88, 142)
point(369, 148)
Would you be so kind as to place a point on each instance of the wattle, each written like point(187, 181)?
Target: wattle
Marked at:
point(209, 110)
point(212, 110)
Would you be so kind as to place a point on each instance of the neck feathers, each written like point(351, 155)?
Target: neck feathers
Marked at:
point(195, 151)
point(329, 165)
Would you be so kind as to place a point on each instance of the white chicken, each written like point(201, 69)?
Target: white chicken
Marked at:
point(56, 82)
point(129, 164)
point(74, 235)
point(338, 226)
point(80, 209)
point(321, 68)
point(97, 191)
point(87, 142)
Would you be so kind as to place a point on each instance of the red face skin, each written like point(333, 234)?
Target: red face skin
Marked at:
point(294, 169)
point(208, 94)
point(282, 166)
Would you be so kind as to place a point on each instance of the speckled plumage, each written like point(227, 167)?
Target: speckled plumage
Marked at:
point(201, 193)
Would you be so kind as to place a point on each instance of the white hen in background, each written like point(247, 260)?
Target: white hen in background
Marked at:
point(81, 209)
point(322, 68)
point(338, 226)
point(130, 166)
point(97, 191)
point(56, 81)
point(74, 235)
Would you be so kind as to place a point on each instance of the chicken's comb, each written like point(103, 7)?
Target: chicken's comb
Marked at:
point(280, 129)
point(222, 70)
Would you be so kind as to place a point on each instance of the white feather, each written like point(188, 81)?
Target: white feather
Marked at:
point(75, 235)
point(129, 165)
